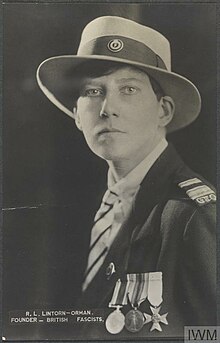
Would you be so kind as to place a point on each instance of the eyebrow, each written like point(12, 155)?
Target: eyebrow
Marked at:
point(128, 79)
point(89, 80)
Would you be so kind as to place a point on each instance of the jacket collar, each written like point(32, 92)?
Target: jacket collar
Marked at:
point(157, 183)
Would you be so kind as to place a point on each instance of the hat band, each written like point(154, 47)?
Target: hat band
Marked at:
point(124, 48)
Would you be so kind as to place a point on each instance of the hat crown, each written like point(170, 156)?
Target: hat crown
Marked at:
point(118, 26)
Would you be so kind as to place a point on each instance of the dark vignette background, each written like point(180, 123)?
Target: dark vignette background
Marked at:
point(45, 157)
point(46, 161)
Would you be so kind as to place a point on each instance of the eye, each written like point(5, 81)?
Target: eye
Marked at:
point(129, 90)
point(92, 92)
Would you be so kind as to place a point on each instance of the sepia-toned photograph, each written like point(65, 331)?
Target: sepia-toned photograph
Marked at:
point(109, 174)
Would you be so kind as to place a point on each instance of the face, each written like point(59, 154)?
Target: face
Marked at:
point(120, 115)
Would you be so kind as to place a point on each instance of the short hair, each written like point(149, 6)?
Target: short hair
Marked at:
point(94, 69)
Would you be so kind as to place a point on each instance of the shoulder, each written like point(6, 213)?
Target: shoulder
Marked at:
point(192, 201)
point(191, 190)
point(198, 190)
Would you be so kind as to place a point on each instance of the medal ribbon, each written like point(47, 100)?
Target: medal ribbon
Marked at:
point(155, 289)
point(137, 291)
point(136, 288)
point(119, 294)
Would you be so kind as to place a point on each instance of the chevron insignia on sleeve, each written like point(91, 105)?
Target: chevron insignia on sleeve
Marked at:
point(198, 191)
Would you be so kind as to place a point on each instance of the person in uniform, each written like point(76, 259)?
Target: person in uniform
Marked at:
point(150, 264)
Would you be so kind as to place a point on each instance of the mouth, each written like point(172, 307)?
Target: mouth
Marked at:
point(106, 130)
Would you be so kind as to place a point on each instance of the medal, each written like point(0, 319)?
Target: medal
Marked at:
point(133, 290)
point(115, 321)
point(134, 320)
point(137, 293)
point(156, 318)
point(155, 290)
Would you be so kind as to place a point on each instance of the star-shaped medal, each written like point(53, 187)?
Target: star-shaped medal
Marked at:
point(156, 318)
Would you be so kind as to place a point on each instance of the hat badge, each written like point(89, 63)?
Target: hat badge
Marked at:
point(115, 45)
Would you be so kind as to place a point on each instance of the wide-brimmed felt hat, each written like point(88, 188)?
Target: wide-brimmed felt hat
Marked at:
point(121, 40)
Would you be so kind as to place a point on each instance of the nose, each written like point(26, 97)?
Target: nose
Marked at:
point(108, 107)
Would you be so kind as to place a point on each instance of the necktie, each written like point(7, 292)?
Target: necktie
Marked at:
point(100, 236)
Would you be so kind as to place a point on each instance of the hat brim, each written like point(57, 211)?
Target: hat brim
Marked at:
point(55, 77)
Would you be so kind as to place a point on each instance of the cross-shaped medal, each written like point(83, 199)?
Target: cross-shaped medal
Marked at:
point(156, 318)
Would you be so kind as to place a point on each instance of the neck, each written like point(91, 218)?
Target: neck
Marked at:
point(121, 168)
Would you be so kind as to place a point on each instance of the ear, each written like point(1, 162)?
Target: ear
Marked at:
point(77, 118)
point(167, 109)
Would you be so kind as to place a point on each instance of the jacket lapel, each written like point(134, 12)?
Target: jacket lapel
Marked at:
point(156, 184)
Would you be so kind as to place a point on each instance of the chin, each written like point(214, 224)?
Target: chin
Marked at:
point(107, 154)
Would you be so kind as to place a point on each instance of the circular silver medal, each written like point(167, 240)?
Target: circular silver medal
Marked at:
point(115, 322)
point(134, 320)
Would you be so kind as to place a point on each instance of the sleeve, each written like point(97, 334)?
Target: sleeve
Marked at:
point(199, 266)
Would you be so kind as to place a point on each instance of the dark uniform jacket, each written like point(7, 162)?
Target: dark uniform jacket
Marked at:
point(166, 231)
